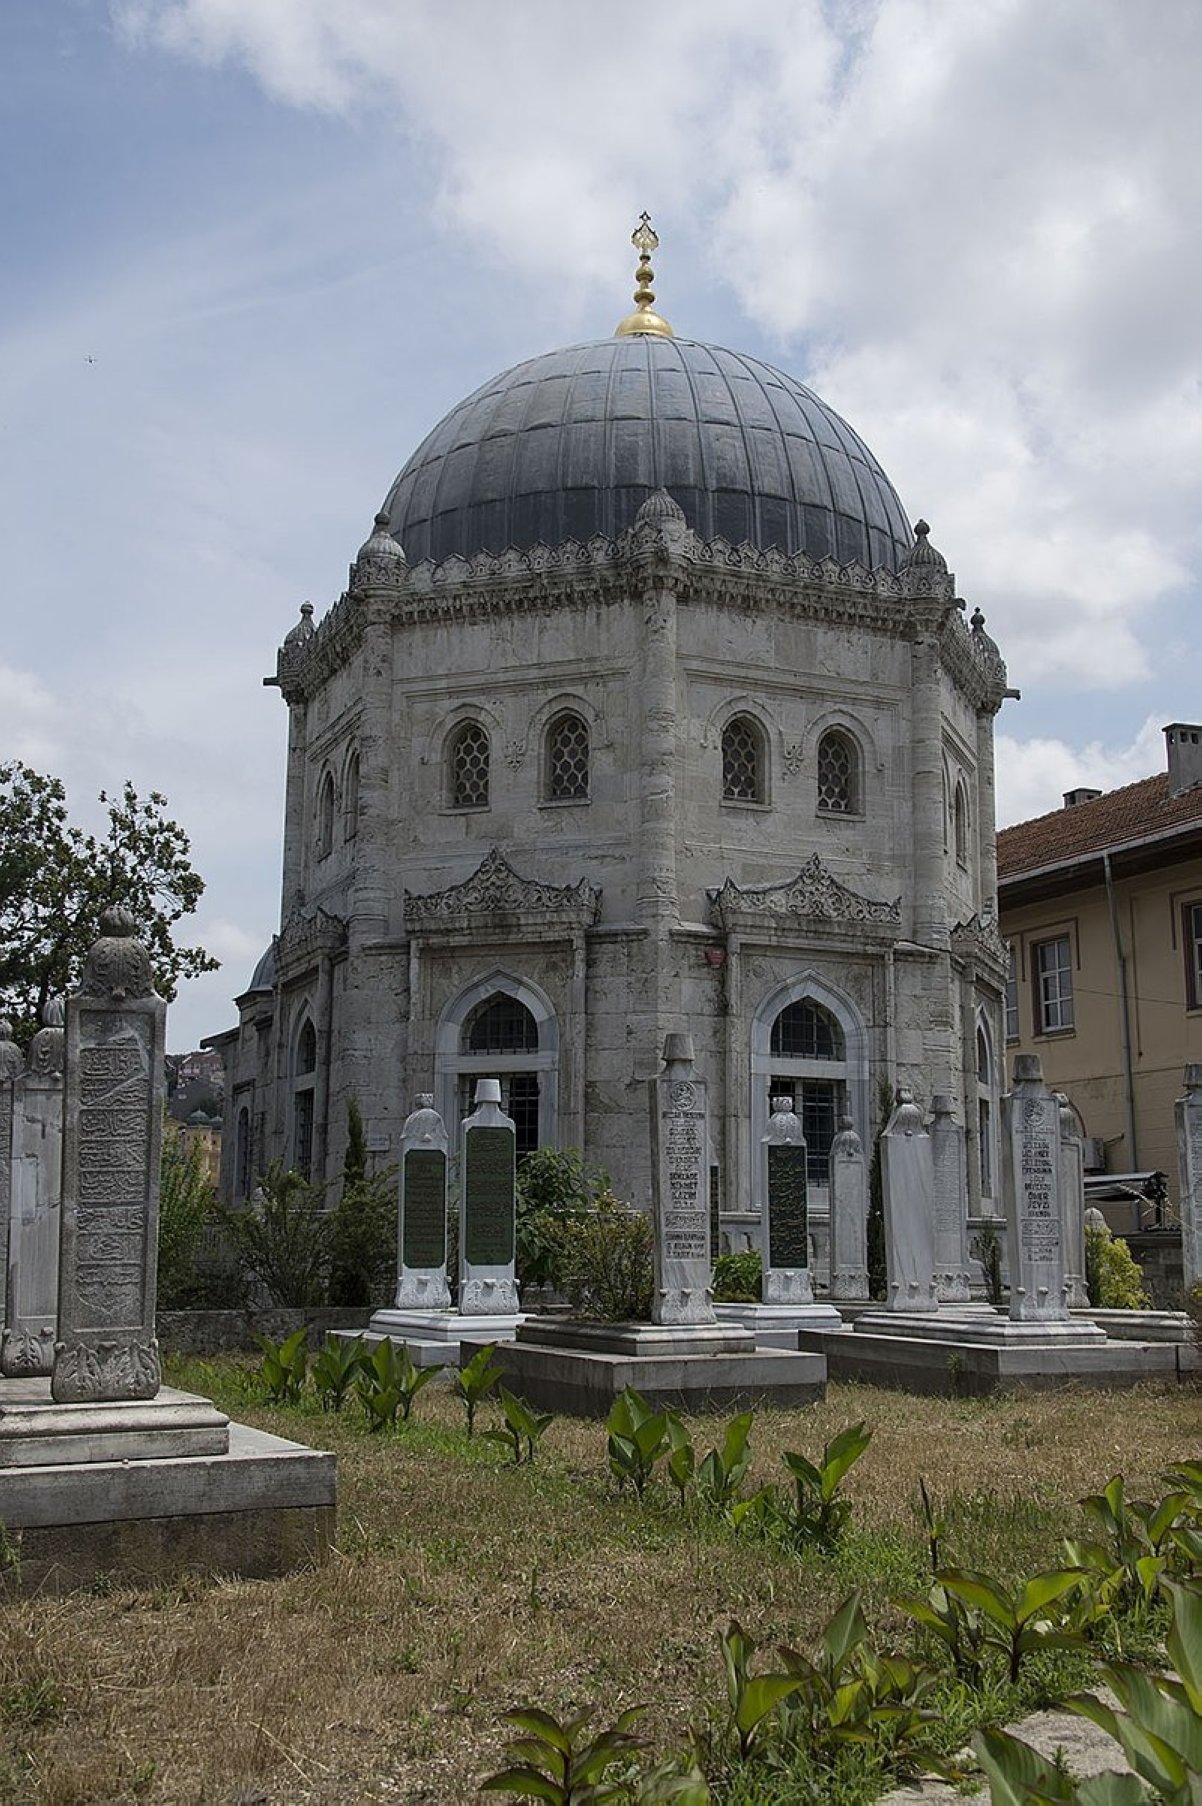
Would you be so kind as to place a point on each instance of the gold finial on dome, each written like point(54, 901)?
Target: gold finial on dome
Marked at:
point(645, 240)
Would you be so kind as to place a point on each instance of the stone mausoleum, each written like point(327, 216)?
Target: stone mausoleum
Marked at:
point(644, 710)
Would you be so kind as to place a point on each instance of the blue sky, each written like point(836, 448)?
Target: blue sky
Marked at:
point(255, 248)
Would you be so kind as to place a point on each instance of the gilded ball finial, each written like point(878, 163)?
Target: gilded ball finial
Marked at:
point(645, 239)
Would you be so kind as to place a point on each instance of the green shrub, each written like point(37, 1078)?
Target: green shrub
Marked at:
point(603, 1262)
point(553, 1187)
point(283, 1237)
point(738, 1278)
point(1112, 1274)
point(186, 1204)
point(363, 1226)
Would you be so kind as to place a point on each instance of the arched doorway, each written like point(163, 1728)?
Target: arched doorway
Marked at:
point(501, 1027)
point(808, 1043)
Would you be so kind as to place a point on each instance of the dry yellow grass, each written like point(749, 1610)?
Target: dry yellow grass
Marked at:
point(460, 1586)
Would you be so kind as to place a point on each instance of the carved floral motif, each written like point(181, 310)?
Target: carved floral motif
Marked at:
point(496, 889)
point(117, 965)
point(86, 1371)
point(815, 892)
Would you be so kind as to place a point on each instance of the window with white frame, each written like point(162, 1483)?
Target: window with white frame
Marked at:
point(1052, 969)
point(1012, 994)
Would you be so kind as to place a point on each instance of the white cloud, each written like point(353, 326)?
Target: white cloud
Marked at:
point(974, 223)
point(1033, 775)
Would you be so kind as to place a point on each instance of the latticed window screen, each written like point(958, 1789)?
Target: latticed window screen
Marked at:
point(819, 1103)
point(742, 762)
point(502, 1025)
point(567, 760)
point(805, 1031)
point(837, 774)
point(469, 767)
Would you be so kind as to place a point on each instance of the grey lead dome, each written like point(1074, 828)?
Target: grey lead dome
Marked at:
point(571, 444)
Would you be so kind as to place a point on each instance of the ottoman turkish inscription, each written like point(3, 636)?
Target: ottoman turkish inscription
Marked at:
point(425, 1209)
point(680, 1145)
point(1032, 1148)
point(487, 1283)
point(488, 1197)
point(788, 1245)
point(1188, 1110)
point(111, 1141)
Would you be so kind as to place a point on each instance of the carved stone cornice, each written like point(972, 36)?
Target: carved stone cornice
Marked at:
point(600, 571)
point(979, 942)
point(973, 661)
point(814, 895)
point(497, 896)
point(304, 937)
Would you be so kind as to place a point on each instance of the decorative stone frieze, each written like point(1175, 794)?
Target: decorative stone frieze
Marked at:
point(304, 938)
point(496, 893)
point(978, 941)
point(814, 895)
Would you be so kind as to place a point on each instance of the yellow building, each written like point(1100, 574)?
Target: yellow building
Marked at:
point(1101, 903)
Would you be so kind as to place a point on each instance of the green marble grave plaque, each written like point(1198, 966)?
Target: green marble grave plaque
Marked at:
point(424, 1233)
point(788, 1240)
point(488, 1197)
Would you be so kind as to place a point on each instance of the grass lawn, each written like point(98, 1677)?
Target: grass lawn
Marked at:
point(462, 1585)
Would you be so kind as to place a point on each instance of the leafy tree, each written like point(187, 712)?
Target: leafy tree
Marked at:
point(56, 881)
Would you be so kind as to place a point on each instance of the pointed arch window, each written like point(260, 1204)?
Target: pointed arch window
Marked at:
point(350, 798)
point(304, 1084)
point(468, 758)
point(986, 1132)
point(744, 761)
point(325, 815)
point(960, 822)
point(809, 1061)
point(838, 774)
point(242, 1156)
point(567, 759)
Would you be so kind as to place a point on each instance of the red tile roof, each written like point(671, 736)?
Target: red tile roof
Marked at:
point(1116, 819)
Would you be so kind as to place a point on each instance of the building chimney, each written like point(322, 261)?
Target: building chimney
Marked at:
point(1074, 798)
point(1183, 745)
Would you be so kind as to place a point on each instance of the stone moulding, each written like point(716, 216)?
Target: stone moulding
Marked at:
point(495, 890)
point(979, 940)
point(304, 937)
point(815, 894)
point(601, 571)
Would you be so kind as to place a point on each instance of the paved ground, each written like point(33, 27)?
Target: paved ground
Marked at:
point(1087, 1750)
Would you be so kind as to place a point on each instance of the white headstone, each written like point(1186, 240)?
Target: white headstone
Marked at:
point(1072, 1201)
point(422, 1222)
point(950, 1219)
point(1188, 1112)
point(112, 1136)
point(786, 1220)
point(27, 1346)
point(12, 1065)
point(849, 1215)
point(488, 1216)
point(680, 1175)
point(1031, 1179)
point(907, 1185)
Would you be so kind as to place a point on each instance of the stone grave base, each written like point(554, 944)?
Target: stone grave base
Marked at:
point(433, 1337)
point(1141, 1326)
point(581, 1368)
point(962, 1357)
point(141, 1493)
point(776, 1325)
